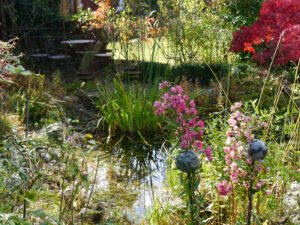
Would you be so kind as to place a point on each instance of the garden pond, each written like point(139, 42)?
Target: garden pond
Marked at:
point(128, 179)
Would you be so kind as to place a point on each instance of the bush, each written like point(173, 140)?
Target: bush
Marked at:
point(278, 23)
point(201, 73)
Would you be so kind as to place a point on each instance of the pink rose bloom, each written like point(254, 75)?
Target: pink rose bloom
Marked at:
point(201, 132)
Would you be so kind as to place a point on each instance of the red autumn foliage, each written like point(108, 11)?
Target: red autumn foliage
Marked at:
point(279, 20)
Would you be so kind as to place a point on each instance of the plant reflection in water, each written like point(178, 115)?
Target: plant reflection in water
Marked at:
point(130, 178)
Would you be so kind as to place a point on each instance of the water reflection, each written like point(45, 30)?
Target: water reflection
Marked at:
point(130, 178)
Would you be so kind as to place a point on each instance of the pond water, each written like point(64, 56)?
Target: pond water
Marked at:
point(128, 179)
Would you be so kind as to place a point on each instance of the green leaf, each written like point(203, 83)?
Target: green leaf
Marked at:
point(39, 213)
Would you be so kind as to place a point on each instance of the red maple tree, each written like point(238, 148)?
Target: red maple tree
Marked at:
point(278, 22)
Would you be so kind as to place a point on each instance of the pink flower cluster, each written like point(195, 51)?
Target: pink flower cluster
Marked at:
point(224, 187)
point(237, 163)
point(175, 100)
point(190, 127)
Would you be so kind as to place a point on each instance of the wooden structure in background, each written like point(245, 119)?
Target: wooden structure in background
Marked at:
point(70, 6)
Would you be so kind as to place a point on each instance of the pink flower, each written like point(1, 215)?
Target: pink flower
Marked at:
point(260, 184)
point(157, 104)
point(227, 160)
point(249, 161)
point(194, 111)
point(226, 150)
point(199, 145)
point(179, 89)
point(229, 133)
point(200, 123)
point(164, 85)
point(233, 166)
point(184, 144)
point(231, 122)
point(190, 128)
point(173, 89)
point(192, 104)
point(224, 188)
point(268, 192)
point(208, 153)
point(242, 173)
point(234, 177)
point(236, 106)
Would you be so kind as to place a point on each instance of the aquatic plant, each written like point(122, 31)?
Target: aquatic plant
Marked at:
point(128, 110)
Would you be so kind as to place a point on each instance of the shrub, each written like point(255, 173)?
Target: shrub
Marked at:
point(278, 23)
point(201, 73)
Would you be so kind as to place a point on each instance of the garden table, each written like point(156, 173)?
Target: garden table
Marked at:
point(59, 56)
point(39, 55)
point(78, 42)
point(107, 54)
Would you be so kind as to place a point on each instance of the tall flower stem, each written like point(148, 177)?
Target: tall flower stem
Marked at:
point(26, 136)
point(250, 195)
point(191, 183)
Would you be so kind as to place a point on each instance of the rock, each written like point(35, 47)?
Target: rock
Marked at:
point(291, 201)
point(55, 133)
point(46, 157)
point(71, 98)
point(187, 162)
point(94, 215)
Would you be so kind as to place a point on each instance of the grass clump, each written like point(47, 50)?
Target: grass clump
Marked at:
point(128, 110)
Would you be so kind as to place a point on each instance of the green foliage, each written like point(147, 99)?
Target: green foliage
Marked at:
point(242, 13)
point(11, 219)
point(195, 30)
point(27, 14)
point(201, 73)
point(128, 109)
point(277, 171)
